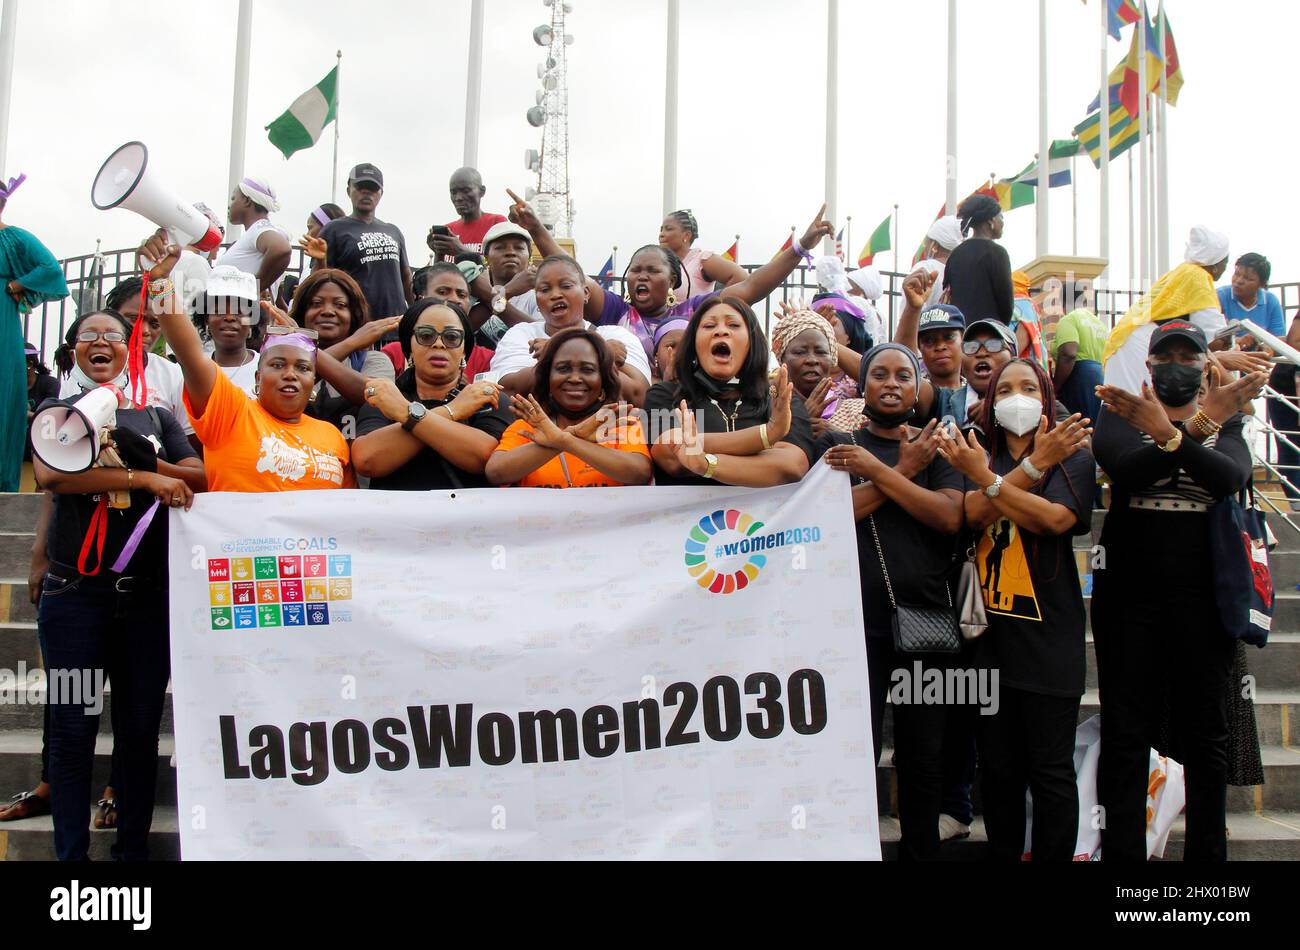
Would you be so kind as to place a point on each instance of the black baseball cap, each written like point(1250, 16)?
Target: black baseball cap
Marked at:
point(366, 172)
point(1180, 330)
point(941, 316)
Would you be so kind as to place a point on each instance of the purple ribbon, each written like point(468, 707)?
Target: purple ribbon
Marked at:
point(320, 215)
point(133, 542)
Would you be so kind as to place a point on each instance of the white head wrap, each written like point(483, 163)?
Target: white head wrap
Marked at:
point(260, 192)
point(946, 231)
point(1206, 247)
point(830, 274)
point(868, 280)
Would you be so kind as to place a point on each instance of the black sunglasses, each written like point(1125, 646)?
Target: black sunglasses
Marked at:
point(425, 336)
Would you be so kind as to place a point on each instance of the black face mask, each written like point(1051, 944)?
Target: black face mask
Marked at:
point(1176, 384)
point(889, 420)
point(713, 388)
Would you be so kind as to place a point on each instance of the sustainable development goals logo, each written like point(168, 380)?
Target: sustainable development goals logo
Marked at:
point(726, 550)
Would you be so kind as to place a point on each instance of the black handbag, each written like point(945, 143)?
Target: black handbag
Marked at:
point(919, 629)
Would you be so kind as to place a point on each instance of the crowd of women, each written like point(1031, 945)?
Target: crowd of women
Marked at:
point(952, 434)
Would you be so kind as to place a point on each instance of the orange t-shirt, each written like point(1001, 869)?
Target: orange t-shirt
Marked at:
point(245, 448)
point(569, 471)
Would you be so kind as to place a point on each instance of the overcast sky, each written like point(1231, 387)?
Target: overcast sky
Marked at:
point(92, 75)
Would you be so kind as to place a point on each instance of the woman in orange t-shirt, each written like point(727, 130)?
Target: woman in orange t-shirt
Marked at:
point(563, 438)
point(252, 445)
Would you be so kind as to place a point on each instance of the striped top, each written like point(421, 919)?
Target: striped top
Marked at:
point(1177, 487)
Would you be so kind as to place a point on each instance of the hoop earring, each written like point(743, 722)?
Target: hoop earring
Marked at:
point(627, 297)
point(672, 299)
point(257, 389)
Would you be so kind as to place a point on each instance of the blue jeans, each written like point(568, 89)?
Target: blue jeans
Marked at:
point(115, 628)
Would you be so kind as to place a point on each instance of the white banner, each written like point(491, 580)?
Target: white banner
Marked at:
point(666, 672)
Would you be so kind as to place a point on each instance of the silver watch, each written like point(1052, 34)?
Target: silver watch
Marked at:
point(1028, 468)
point(993, 490)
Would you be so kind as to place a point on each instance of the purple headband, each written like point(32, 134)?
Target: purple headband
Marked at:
point(669, 327)
point(299, 340)
point(320, 215)
point(841, 304)
point(9, 189)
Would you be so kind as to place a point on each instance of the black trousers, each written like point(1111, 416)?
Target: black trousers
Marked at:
point(1159, 639)
point(918, 747)
point(1029, 744)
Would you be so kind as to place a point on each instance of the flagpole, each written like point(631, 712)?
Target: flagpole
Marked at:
point(473, 83)
point(1074, 201)
point(8, 26)
point(670, 108)
point(950, 199)
point(832, 115)
point(848, 238)
point(896, 270)
point(1103, 115)
point(239, 110)
point(338, 105)
point(1044, 144)
point(1132, 246)
point(1144, 184)
point(1162, 159)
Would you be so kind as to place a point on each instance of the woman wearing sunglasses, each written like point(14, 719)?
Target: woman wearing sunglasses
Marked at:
point(267, 443)
point(426, 431)
point(103, 606)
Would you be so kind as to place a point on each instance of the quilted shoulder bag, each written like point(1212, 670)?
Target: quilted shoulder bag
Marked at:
point(918, 629)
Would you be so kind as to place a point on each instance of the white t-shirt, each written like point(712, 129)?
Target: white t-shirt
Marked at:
point(1127, 369)
point(936, 268)
point(190, 275)
point(245, 256)
point(166, 388)
point(245, 377)
point(512, 353)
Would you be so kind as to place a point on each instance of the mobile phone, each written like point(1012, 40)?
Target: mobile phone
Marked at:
point(488, 377)
point(1230, 330)
point(441, 230)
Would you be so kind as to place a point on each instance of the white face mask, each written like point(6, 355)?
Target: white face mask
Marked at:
point(1018, 414)
point(84, 382)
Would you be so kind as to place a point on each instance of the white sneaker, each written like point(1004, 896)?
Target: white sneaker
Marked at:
point(950, 829)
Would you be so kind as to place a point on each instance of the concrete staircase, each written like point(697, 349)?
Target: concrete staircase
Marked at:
point(1264, 823)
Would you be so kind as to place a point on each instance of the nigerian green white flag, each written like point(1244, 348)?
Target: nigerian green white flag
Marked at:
point(302, 122)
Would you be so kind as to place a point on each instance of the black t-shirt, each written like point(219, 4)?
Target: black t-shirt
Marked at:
point(978, 280)
point(428, 470)
point(374, 255)
point(73, 513)
point(1030, 582)
point(45, 387)
point(920, 559)
point(662, 398)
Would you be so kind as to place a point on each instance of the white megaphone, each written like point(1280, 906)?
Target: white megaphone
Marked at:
point(67, 437)
point(125, 180)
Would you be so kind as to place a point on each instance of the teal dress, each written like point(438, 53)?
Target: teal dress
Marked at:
point(28, 261)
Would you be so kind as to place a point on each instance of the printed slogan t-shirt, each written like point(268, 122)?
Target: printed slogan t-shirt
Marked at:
point(247, 449)
point(374, 255)
point(1031, 589)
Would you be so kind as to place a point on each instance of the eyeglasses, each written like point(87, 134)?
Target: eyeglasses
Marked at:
point(108, 336)
point(992, 345)
point(426, 336)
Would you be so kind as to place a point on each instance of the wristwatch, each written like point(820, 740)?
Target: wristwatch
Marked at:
point(1174, 442)
point(1027, 467)
point(713, 464)
point(414, 413)
point(993, 490)
point(498, 300)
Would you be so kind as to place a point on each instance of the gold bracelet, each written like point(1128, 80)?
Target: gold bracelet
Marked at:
point(762, 434)
point(129, 481)
point(1205, 426)
point(450, 415)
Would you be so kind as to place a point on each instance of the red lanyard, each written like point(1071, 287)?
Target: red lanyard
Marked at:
point(95, 535)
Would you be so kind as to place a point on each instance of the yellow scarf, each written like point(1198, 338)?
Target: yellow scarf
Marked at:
point(1184, 290)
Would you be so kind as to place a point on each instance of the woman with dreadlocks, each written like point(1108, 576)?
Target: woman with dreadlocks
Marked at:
point(1031, 495)
point(703, 269)
point(653, 272)
point(977, 280)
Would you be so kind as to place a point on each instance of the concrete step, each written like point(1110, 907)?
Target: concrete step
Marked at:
point(14, 602)
point(33, 839)
point(19, 510)
point(26, 712)
point(1266, 836)
point(20, 764)
point(19, 644)
point(15, 553)
point(1275, 667)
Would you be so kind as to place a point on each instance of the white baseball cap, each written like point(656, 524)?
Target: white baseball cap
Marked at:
point(228, 281)
point(505, 229)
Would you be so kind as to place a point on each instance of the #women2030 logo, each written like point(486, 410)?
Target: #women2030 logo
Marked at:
point(726, 550)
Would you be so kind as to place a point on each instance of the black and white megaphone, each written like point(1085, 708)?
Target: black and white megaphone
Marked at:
point(126, 180)
point(68, 437)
